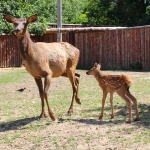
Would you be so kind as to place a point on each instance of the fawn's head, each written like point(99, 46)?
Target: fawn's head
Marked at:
point(20, 24)
point(94, 69)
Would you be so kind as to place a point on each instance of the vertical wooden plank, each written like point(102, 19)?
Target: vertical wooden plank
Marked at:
point(122, 48)
point(100, 44)
point(0, 51)
point(125, 48)
point(85, 50)
point(79, 45)
point(128, 46)
point(118, 48)
point(106, 49)
point(142, 47)
point(147, 48)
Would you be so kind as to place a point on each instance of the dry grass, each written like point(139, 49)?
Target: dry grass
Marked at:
point(20, 127)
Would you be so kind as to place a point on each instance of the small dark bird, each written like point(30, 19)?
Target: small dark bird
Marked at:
point(21, 90)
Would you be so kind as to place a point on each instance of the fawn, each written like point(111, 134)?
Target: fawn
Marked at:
point(114, 83)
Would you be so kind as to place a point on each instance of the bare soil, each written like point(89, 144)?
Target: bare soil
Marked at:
point(22, 130)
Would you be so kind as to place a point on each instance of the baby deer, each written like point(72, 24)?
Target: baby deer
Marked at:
point(114, 83)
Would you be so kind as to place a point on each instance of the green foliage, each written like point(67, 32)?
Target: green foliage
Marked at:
point(94, 12)
point(72, 12)
point(136, 66)
point(120, 13)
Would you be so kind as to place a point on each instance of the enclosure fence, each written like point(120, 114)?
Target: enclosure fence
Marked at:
point(112, 47)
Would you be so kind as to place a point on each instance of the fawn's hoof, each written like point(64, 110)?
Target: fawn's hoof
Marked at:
point(128, 121)
point(112, 116)
point(136, 119)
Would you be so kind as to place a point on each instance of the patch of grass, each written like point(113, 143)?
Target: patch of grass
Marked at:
point(11, 76)
point(9, 139)
point(19, 124)
point(35, 139)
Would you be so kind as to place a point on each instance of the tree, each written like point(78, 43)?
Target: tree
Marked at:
point(118, 12)
point(46, 10)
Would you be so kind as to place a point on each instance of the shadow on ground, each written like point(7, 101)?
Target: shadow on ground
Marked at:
point(144, 111)
point(17, 124)
point(120, 116)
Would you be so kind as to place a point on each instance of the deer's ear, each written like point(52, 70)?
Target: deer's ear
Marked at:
point(9, 18)
point(99, 66)
point(32, 18)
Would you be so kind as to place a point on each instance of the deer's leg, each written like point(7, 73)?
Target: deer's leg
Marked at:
point(111, 103)
point(103, 103)
point(46, 87)
point(133, 99)
point(41, 92)
point(77, 76)
point(121, 93)
point(72, 79)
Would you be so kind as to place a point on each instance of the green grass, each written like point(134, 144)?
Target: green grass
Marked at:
point(11, 76)
point(21, 128)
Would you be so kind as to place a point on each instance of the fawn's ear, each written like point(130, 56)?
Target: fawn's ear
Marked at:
point(9, 18)
point(32, 18)
point(99, 66)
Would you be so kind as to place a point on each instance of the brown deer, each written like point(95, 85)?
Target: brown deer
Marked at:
point(114, 83)
point(46, 60)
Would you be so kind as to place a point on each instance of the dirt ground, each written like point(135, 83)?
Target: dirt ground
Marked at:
point(76, 132)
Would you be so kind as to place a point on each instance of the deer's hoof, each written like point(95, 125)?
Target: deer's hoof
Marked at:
point(52, 117)
point(100, 117)
point(70, 112)
point(78, 101)
point(42, 116)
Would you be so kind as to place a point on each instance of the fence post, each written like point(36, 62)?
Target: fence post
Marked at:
point(59, 20)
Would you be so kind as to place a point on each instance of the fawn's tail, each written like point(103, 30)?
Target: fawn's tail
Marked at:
point(127, 80)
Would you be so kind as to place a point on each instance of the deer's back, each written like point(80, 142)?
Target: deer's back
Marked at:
point(53, 57)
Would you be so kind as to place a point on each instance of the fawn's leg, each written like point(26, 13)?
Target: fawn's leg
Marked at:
point(103, 103)
point(133, 99)
point(41, 92)
point(121, 92)
point(46, 87)
point(111, 103)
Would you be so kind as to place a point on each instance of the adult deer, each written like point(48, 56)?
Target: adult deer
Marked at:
point(114, 83)
point(46, 60)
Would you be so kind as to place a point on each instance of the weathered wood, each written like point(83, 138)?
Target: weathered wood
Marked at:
point(113, 47)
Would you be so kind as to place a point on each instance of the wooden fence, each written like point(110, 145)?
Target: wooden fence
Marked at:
point(112, 47)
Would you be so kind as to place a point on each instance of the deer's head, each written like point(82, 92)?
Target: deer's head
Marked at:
point(94, 69)
point(20, 24)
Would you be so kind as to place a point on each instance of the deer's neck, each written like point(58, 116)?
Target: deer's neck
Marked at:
point(25, 46)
